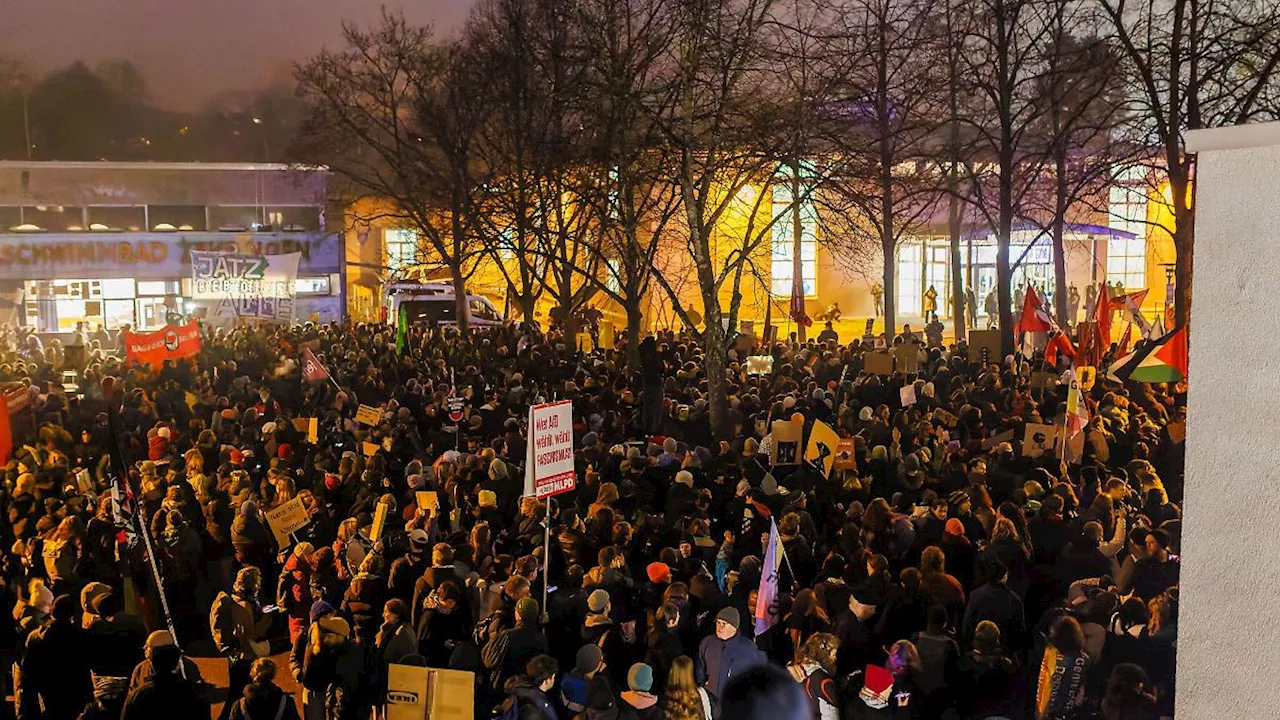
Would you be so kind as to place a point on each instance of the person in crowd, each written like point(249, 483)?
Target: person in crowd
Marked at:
point(238, 626)
point(725, 652)
point(262, 697)
point(683, 698)
point(528, 693)
point(167, 694)
point(814, 668)
point(55, 682)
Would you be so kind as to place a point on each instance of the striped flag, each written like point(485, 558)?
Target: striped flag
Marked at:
point(767, 598)
point(1077, 408)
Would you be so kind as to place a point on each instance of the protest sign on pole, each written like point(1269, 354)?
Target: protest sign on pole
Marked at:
point(379, 522)
point(908, 393)
point(786, 443)
point(286, 520)
point(549, 461)
point(823, 444)
point(1039, 440)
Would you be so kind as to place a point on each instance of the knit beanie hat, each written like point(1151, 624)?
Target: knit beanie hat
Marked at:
point(527, 610)
point(588, 658)
point(319, 609)
point(597, 601)
point(640, 677)
point(658, 573)
point(729, 616)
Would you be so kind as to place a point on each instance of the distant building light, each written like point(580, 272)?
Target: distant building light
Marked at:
point(186, 228)
point(98, 227)
point(164, 227)
point(27, 227)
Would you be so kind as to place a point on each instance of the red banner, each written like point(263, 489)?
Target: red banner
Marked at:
point(173, 342)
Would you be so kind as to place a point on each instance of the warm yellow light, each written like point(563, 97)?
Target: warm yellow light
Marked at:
point(746, 194)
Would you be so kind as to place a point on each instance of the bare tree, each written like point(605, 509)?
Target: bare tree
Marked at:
point(1004, 58)
point(1081, 89)
point(888, 121)
point(388, 116)
point(722, 131)
point(1193, 65)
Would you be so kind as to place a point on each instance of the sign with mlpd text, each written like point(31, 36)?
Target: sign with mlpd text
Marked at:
point(549, 462)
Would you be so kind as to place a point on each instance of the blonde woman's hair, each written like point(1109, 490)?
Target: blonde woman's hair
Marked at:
point(681, 695)
point(820, 648)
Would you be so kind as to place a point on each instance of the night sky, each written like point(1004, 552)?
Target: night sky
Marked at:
point(190, 50)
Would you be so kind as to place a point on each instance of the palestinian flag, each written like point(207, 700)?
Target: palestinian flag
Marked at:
point(1164, 360)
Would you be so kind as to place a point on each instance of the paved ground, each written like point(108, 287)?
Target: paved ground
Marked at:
point(214, 671)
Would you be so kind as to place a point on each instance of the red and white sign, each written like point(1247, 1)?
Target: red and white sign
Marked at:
point(549, 461)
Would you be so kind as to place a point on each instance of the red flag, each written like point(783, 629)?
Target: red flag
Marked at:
point(1102, 322)
point(312, 370)
point(1059, 343)
point(1033, 317)
point(6, 434)
point(798, 315)
point(1124, 341)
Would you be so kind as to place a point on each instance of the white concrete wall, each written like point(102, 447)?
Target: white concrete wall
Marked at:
point(1229, 622)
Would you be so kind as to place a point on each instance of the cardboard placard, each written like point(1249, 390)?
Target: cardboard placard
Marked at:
point(370, 449)
point(300, 424)
point(984, 340)
point(427, 500)
point(785, 449)
point(1088, 376)
point(759, 364)
point(1039, 440)
point(878, 363)
point(366, 415)
point(407, 692)
point(845, 458)
point(745, 344)
point(994, 440)
point(606, 332)
point(821, 451)
point(908, 357)
point(84, 481)
point(287, 519)
point(870, 324)
point(908, 394)
point(379, 522)
point(451, 695)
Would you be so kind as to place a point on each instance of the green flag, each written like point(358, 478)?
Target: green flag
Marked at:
point(402, 331)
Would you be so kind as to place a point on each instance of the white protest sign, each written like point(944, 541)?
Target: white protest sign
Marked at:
point(908, 395)
point(549, 462)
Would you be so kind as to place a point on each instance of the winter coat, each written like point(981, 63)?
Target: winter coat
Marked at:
point(264, 701)
point(116, 645)
point(440, 631)
point(396, 643)
point(293, 591)
point(163, 697)
point(999, 605)
point(235, 625)
point(55, 670)
point(530, 701)
point(719, 659)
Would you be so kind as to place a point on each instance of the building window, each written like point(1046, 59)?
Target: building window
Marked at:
point(111, 218)
point(311, 285)
point(234, 218)
point(157, 288)
point(784, 242)
point(910, 277)
point(402, 249)
point(294, 219)
point(1127, 257)
point(611, 276)
point(1127, 261)
point(181, 218)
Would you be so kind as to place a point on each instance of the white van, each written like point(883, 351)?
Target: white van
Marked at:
point(434, 304)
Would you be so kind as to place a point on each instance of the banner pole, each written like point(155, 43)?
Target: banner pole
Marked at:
point(546, 555)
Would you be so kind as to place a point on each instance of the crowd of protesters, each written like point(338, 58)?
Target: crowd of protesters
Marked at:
point(937, 572)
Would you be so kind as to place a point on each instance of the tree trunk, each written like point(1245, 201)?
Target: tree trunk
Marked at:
point(1059, 249)
point(1004, 273)
point(713, 344)
point(460, 308)
point(797, 242)
point(1184, 243)
point(635, 325)
point(959, 306)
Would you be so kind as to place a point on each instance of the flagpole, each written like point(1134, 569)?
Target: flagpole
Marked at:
point(142, 526)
